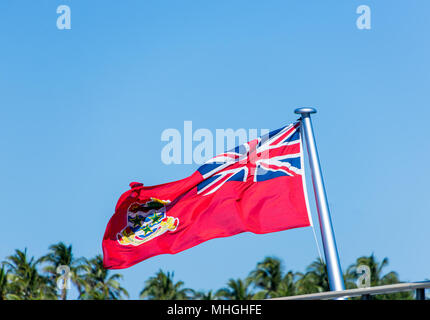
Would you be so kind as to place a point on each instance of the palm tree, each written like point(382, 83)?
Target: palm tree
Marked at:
point(98, 283)
point(287, 286)
point(162, 287)
point(237, 290)
point(376, 277)
point(62, 255)
point(267, 275)
point(314, 280)
point(4, 283)
point(205, 295)
point(25, 281)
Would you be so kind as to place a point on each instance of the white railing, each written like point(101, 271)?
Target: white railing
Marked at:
point(365, 293)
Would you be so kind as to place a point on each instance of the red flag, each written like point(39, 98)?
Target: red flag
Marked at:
point(256, 187)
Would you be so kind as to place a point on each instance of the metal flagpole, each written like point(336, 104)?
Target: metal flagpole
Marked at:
point(329, 243)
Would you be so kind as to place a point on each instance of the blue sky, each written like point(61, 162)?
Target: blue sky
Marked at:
point(82, 112)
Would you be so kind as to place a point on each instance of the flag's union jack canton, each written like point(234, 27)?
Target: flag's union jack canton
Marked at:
point(270, 156)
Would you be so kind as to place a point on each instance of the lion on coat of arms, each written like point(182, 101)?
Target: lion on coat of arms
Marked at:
point(145, 221)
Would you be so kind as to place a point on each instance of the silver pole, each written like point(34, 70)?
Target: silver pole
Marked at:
point(329, 243)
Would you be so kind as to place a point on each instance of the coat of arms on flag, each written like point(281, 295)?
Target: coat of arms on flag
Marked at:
point(257, 187)
point(145, 221)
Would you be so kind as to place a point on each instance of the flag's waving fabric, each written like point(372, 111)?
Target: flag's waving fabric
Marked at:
point(256, 187)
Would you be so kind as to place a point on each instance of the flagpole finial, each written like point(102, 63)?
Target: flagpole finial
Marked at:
point(305, 110)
